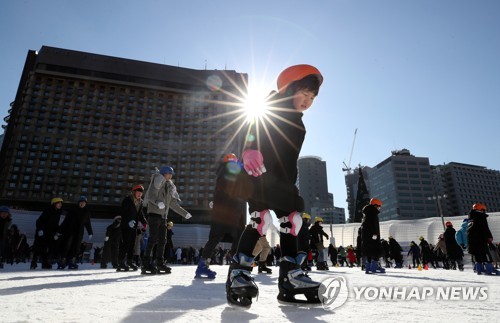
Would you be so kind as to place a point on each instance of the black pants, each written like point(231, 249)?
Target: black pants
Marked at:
point(157, 237)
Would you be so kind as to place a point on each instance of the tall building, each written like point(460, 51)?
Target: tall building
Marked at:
point(410, 188)
point(403, 182)
point(313, 182)
point(95, 125)
point(459, 186)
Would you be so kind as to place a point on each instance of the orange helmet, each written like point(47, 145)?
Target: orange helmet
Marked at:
point(230, 157)
point(479, 207)
point(295, 73)
point(376, 202)
point(449, 224)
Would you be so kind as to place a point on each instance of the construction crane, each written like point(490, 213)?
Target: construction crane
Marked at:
point(347, 167)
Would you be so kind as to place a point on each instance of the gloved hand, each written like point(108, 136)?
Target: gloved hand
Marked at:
point(106, 238)
point(211, 204)
point(161, 205)
point(188, 216)
point(374, 237)
point(56, 236)
point(253, 162)
point(40, 233)
point(90, 237)
point(131, 223)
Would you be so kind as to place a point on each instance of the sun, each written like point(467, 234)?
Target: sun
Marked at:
point(255, 104)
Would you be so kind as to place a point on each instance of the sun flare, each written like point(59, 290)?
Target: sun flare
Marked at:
point(255, 104)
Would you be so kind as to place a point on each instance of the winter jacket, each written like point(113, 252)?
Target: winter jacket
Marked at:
point(453, 249)
point(478, 233)
point(4, 227)
point(132, 214)
point(47, 223)
point(74, 223)
point(317, 233)
point(370, 228)
point(394, 249)
point(414, 250)
point(280, 144)
point(162, 191)
point(461, 235)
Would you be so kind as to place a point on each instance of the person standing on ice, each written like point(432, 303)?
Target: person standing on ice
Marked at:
point(478, 237)
point(272, 147)
point(454, 252)
point(229, 211)
point(370, 236)
point(317, 233)
point(160, 197)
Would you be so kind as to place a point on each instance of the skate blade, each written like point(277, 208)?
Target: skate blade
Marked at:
point(300, 303)
point(205, 277)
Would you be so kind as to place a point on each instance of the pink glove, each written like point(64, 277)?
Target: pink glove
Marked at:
point(253, 162)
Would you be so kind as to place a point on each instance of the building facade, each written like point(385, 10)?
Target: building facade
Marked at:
point(94, 125)
point(459, 186)
point(312, 182)
point(410, 188)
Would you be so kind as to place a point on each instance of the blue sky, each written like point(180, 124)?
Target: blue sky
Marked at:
point(422, 75)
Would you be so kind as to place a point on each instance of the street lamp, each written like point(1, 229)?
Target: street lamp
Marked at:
point(438, 198)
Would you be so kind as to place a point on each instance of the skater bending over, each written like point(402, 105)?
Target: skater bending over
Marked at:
point(272, 148)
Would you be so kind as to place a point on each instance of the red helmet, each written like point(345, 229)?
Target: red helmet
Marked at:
point(376, 202)
point(230, 157)
point(295, 73)
point(138, 188)
point(479, 207)
point(449, 224)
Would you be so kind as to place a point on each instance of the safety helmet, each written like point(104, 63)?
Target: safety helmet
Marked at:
point(390, 237)
point(479, 207)
point(448, 224)
point(82, 198)
point(306, 216)
point(376, 202)
point(56, 200)
point(166, 170)
point(170, 224)
point(318, 219)
point(138, 187)
point(4, 208)
point(295, 73)
point(230, 157)
point(421, 238)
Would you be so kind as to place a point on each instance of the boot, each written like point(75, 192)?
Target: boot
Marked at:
point(375, 267)
point(33, 265)
point(123, 267)
point(478, 268)
point(72, 265)
point(61, 264)
point(203, 270)
point(240, 286)
point(263, 268)
point(161, 268)
point(293, 281)
point(132, 266)
point(490, 270)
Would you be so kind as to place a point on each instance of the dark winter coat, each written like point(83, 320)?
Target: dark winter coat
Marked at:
point(4, 227)
point(229, 205)
point(131, 212)
point(75, 222)
point(478, 233)
point(453, 249)
point(394, 249)
point(425, 249)
point(414, 251)
point(48, 223)
point(370, 227)
point(317, 233)
point(280, 141)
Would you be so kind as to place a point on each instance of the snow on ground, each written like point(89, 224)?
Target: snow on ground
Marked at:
point(90, 294)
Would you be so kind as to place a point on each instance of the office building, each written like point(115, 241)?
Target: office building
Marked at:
point(95, 125)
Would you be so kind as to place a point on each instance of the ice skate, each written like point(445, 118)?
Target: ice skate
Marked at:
point(123, 267)
point(133, 267)
point(203, 271)
point(490, 270)
point(161, 268)
point(72, 266)
point(240, 286)
point(376, 268)
point(293, 281)
point(264, 269)
point(61, 265)
point(149, 269)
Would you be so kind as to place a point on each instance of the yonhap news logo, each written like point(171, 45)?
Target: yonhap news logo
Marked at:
point(333, 292)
